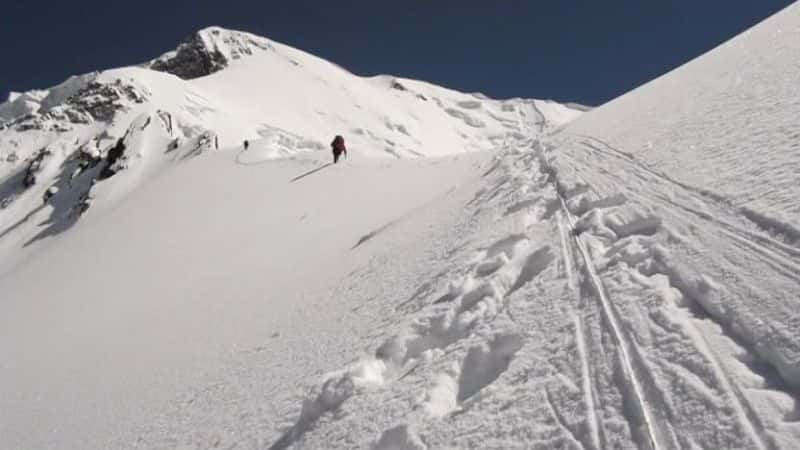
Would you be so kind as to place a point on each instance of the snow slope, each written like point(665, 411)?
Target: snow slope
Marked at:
point(582, 285)
point(166, 250)
point(726, 122)
point(195, 268)
point(245, 88)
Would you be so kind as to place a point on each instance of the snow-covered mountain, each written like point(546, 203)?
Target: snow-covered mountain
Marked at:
point(479, 274)
point(219, 88)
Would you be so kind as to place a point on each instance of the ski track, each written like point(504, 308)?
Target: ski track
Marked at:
point(747, 415)
point(778, 256)
point(589, 391)
point(770, 241)
point(601, 343)
point(621, 341)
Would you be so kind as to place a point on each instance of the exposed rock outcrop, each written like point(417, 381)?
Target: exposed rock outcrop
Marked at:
point(208, 51)
point(192, 59)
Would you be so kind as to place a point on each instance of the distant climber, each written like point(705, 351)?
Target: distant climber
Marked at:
point(246, 144)
point(338, 148)
point(84, 202)
point(49, 193)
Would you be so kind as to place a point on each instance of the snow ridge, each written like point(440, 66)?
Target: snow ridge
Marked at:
point(217, 89)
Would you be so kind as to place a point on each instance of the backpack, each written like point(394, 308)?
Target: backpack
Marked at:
point(338, 143)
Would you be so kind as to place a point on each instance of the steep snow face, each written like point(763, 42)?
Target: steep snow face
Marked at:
point(218, 89)
point(684, 193)
point(727, 123)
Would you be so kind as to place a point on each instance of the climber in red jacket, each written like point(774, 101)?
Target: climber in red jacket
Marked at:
point(338, 148)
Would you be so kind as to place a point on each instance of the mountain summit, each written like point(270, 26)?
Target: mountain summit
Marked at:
point(207, 51)
point(217, 89)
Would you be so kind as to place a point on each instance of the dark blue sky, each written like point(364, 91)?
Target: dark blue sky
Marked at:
point(585, 51)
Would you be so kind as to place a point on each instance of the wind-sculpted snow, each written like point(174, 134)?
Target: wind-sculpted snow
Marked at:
point(727, 121)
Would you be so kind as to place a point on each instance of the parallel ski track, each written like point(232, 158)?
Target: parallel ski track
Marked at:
point(766, 241)
point(580, 339)
point(619, 337)
point(748, 416)
point(776, 254)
